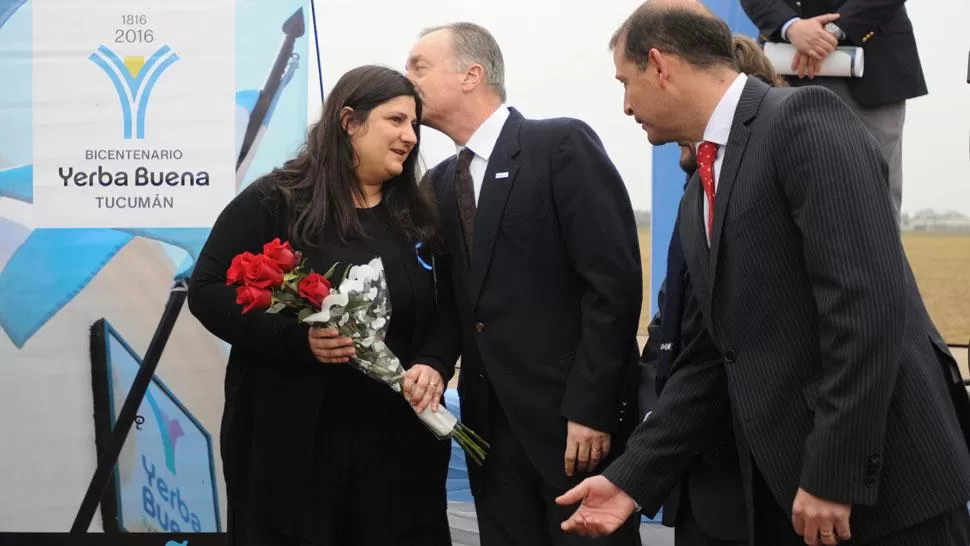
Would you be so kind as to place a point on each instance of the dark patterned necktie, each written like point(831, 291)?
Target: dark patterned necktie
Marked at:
point(465, 192)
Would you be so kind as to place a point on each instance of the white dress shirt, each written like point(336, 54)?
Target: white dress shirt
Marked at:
point(482, 142)
point(719, 129)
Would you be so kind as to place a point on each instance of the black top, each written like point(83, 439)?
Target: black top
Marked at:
point(349, 385)
point(280, 400)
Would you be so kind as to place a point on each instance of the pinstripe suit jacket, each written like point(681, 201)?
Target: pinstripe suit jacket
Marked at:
point(837, 378)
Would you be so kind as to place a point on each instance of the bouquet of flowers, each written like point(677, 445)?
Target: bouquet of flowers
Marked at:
point(359, 307)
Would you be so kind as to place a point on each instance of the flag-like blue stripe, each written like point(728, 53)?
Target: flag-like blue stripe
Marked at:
point(119, 88)
point(18, 183)
point(47, 271)
point(190, 240)
point(149, 85)
point(7, 8)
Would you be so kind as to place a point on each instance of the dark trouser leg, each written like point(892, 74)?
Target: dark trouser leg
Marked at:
point(509, 507)
point(515, 506)
point(688, 533)
point(950, 529)
point(772, 524)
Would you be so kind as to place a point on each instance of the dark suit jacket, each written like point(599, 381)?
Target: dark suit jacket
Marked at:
point(893, 71)
point(712, 483)
point(550, 302)
point(836, 376)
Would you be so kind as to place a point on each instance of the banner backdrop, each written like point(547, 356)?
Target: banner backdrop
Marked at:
point(129, 142)
point(125, 128)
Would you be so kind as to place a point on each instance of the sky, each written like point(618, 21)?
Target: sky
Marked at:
point(557, 64)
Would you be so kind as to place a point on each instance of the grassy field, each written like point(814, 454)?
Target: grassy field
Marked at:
point(941, 263)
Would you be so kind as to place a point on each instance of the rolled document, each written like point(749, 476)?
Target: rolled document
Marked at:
point(844, 62)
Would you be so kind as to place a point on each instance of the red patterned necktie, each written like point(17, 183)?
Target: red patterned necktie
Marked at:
point(706, 154)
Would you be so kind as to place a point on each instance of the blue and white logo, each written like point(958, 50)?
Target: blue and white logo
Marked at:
point(134, 78)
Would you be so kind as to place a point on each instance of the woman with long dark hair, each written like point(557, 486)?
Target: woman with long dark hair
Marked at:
point(315, 452)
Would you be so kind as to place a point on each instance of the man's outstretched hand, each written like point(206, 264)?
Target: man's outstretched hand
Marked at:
point(604, 507)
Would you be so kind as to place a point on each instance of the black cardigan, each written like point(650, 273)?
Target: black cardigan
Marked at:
point(278, 396)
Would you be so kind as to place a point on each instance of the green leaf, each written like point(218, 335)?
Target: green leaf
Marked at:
point(276, 307)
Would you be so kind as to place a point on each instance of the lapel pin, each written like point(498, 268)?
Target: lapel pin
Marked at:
point(501, 175)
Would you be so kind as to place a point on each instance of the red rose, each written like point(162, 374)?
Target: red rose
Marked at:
point(282, 253)
point(235, 273)
point(255, 270)
point(251, 298)
point(314, 287)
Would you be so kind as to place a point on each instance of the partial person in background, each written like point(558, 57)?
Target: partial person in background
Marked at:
point(543, 245)
point(750, 58)
point(893, 72)
point(707, 508)
point(314, 451)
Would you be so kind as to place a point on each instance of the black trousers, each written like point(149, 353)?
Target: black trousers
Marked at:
point(773, 525)
point(687, 532)
point(515, 507)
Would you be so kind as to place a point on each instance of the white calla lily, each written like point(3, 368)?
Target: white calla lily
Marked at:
point(362, 273)
point(350, 286)
point(323, 316)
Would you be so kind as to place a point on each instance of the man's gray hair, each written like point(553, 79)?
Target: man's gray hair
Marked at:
point(472, 44)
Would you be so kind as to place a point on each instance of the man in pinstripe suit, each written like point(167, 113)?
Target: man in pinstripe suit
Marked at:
point(840, 385)
point(708, 506)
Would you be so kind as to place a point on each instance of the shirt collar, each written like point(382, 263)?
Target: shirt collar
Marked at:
point(719, 126)
point(483, 140)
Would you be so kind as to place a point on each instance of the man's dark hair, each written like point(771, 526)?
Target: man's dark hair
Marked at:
point(695, 35)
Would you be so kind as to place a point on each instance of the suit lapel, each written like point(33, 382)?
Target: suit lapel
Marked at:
point(503, 165)
point(693, 242)
point(748, 105)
